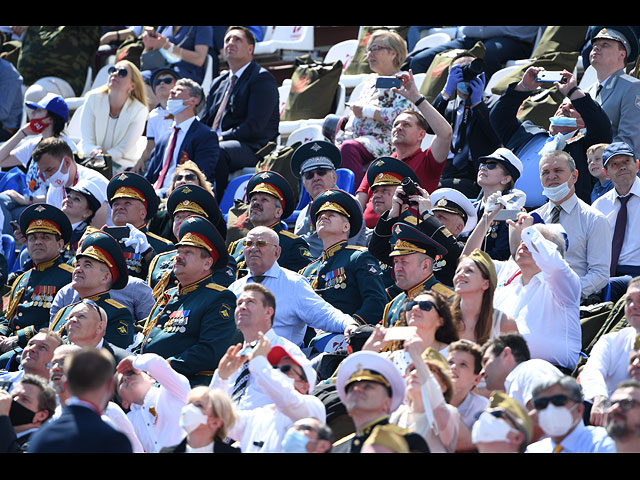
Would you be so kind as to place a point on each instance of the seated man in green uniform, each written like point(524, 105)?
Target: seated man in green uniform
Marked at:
point(47, 231)
point(414, 254)
point(371, 388)
point(192, 324)
point(133, 203)
point(183, 202)
point(346, 276)
point(271, 201)
point(100, 267)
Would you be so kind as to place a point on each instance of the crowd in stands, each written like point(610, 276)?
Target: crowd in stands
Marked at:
point(447, 264)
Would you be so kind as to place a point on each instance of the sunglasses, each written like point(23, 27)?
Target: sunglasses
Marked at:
point(288, 368)
point(625, 404)
point(188, 177)
point(541, 403)
point(122, 72)
point(489, 165)
point(166, 80)
point(425, 305)
point(257, 243)
point(311, 173)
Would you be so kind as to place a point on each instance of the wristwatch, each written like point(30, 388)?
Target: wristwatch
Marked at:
point(420, 100)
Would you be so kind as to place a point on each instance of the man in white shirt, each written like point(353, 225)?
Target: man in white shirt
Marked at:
point(154, 410)
point(609, 358)
point(538, 288)
point(621, 207)
point(299, 305)
point(589, 250)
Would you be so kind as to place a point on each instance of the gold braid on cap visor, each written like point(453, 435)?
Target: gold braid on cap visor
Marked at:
point(333, 206)
point(270, 189)
point(386, 179)
point(129, 192)
point(368, 375)
point(44, 226)
point(406, 248)
point(189, 206)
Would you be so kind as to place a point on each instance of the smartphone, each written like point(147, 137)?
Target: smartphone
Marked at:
point(388, 82)
point(117, 232)
point(550, 77)
point(400, 333)
point(5, 385)
point(506, 214)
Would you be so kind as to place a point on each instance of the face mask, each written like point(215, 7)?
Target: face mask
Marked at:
point(555, 421)
point(170, 57)
point(463, 87)
point(58, 179)
point(37, 125)
point(20, 415)
point(175, 106)
point(295, 442)
point(556, 193)
point(563, 121)
point(191, 417)
point(489, 429)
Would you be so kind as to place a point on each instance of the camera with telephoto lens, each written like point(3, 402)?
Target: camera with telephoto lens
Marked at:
point(472, 70)
point(409, 187)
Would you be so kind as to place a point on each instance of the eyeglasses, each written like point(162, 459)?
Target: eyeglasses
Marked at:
point(489, 165)
point(541, 403)
point(53, 363)
point(187, 177)
point(122, 72)
point(311, 173)
point(375, 48)
point(257, 243)
point(425, 305)
point(624, 404)
point(166, 80)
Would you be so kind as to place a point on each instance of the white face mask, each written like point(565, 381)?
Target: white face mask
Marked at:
point(175, 106)
point(556, 421)
point(59, 179)
point(555, 194)
point(490, 429)
point(191, 417)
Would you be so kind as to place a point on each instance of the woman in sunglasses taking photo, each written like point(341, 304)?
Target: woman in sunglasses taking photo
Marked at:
point(114, 116)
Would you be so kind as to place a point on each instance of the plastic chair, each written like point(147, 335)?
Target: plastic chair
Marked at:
point(432, 40)
point(208, 75)
point(589, 77)
point(74, 131)
point(346, 180)
point(305, 134)
point(287, 38)
point(9, 249)
point(237, 189)
point(499, 75)
point(343, 51)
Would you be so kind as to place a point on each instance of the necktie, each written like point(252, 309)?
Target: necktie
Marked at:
point(258, 278)
point(241, 383)
point(167, 159)
point(555, 214)
point(618, 234)
point(223, 105)
point(558, 448)
point(598, 90)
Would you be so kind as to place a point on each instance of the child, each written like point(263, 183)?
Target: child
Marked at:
point(594, 163)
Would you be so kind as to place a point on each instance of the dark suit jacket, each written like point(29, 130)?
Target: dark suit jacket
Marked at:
point(252, 115)
point(78, 429)
point(218, 447)
point(9, 441)
point(200, 144)
point(515, 134)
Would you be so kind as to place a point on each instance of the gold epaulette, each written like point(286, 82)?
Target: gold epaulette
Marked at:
point(215, 286)
point(158, 237)
point(114, 303)
point(66, 267)
point(443, 289)
point(287, 233)
point(344, 440)
point(356, 247)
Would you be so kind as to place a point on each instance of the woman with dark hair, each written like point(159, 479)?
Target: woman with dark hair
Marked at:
point(48, 118)
point(474, 282)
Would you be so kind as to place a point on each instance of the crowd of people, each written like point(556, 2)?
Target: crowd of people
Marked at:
point(477, 292)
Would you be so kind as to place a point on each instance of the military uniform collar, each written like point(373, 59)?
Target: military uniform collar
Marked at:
point(414, 291)
point(49, 263)
point(98, 296)
point(183, 290)
point(331, 251)
point(366, 429)
point(276, 227)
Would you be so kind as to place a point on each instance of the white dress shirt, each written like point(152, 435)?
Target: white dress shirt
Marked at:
point(156, 421)
point(261, 430)
point(609, 205)
point(297, 305)
point(582, 439)
point(607, 364)
point(589, 252)
point(521, 381)
point(547, 308)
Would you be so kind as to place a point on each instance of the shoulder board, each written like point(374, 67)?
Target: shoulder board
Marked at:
point(158, 237)
point(287, 233)
point(344, 439)
point(356, 247)
point(232, 247)
point(215, 286)
point(114, 303)
point(66, 267)
point(443, 289)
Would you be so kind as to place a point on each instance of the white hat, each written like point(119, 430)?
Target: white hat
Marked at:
point(453, 201)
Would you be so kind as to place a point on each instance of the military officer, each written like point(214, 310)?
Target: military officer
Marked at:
point(47, 230)
point(271, 201)
point(100, 267)
point(346, 276)
point(192, 325)
point(371, 388)
point(413, 255)
point(134, 202)
point(183, 202)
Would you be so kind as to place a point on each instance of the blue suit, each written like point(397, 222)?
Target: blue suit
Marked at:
point(200, 145)
point(78, 429)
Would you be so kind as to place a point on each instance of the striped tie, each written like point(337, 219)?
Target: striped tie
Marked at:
point(240, 387)
point(555, 214)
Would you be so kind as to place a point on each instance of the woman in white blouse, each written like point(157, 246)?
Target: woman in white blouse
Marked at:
point(114, 117)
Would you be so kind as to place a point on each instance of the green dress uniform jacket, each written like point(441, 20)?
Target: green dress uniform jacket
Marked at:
point(30, 298)
point(349, 278)
point(192, 326)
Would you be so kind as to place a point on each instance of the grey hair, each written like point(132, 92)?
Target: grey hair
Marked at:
point(561, 154)
point(195, 90)
point(554, 234)
point(566, 382)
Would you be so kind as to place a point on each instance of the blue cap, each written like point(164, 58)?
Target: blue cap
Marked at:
point(616, 148)
point(52, 103)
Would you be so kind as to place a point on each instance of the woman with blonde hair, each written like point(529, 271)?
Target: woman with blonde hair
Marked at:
point(113, 117)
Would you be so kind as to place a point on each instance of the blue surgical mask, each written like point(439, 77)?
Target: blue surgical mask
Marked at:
point(563, 121)
point(175, 106)
point(294, 441)
point(463, 87)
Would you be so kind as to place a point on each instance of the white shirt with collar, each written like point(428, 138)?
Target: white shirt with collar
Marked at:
point(238, 73)
point(156, 421)
point(607, 363)
point(521, 381)
point(254, 397)
point(582, 439)
point(609, 205)
point(547, 308)
point(297, 305)
point(589, 252)
point(184, 127)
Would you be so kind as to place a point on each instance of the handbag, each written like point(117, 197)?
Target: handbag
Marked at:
point(155, 59)
point(102, 164)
